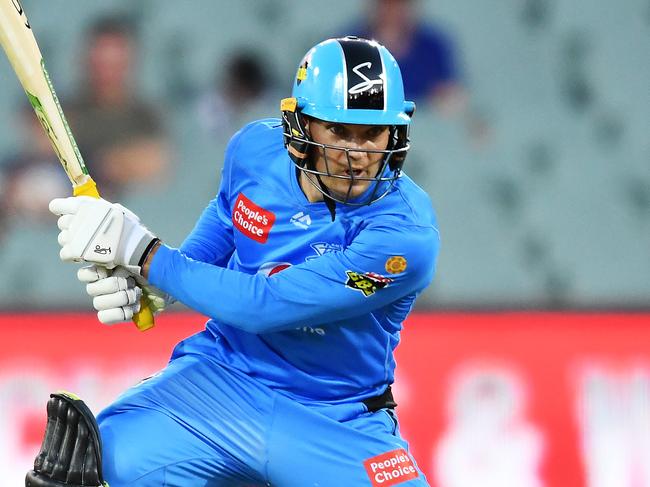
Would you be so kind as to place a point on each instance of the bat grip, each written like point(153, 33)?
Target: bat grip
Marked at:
point(88, 188)
point(143, 319)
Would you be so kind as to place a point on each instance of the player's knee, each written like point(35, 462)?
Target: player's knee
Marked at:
point(121, 459)
point(132, 445)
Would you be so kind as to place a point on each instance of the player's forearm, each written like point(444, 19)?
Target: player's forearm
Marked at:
point(235, 298)
point(301, 295)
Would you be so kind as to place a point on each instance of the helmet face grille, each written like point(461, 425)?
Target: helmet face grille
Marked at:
point(365, 75)
point(379, 184)
point(301, 150)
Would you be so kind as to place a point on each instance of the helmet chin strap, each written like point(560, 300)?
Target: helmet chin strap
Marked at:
point(329, 202)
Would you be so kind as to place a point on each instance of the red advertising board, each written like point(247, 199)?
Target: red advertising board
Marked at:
point(521, 399)
point(566, 396)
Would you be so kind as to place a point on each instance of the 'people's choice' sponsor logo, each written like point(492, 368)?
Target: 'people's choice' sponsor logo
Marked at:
point(391, 468)
point(252, 220)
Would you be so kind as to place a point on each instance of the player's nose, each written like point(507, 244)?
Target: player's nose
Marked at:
point(357, 157)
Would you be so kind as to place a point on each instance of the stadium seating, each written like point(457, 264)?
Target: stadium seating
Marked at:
point(551, 209)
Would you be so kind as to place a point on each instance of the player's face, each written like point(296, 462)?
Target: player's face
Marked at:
point(360, 163)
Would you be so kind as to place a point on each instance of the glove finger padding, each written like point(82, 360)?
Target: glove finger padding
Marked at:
point(67, 206)
point(92, 273)
point(117, 315)
point(110, 285)
point(63, 237)
point(64, 222)
point(118, 299)
point(71, 453)
point(116, 293)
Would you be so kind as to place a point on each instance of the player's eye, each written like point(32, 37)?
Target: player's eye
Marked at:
point(337, 129)
point(375, 132)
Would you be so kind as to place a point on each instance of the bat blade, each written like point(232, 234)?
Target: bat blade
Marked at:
point(19, 43)
point(25, 57)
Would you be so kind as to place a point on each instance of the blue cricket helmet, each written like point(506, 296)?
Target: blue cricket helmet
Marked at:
point(351, 81)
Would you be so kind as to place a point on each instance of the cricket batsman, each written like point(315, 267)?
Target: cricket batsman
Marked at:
point(307, 262)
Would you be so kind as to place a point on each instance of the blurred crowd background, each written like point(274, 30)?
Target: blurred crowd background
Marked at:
point(531, 134)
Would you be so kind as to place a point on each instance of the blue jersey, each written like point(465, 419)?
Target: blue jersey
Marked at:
point(310, 307)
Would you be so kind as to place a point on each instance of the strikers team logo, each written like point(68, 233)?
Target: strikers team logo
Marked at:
point(253, 221)
point(322, 248)
point(395, 264)
point(391, 468)
point(368, 283)
point(366, 83)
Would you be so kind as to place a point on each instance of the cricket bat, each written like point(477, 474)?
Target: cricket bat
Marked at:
point(20, 45)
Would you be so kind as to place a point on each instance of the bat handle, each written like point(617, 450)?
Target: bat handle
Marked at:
point(143, 319)
point(88, 188)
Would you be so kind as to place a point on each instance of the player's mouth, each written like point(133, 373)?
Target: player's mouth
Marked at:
point(357, 173)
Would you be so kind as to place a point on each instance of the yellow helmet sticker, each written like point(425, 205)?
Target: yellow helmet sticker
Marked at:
point(301, 75)
point(288, 104)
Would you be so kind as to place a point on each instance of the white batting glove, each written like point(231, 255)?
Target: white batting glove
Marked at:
point(98, 231)
point(116, 295)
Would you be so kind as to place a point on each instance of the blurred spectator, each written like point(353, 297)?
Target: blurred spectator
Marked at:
point(426, 55)
point(31, 178)
point(238, 92)
point(120, 136)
